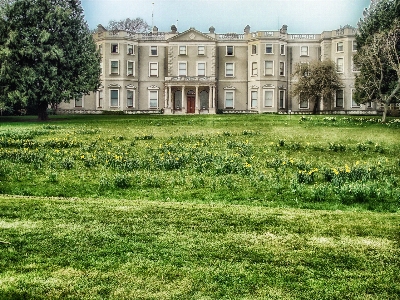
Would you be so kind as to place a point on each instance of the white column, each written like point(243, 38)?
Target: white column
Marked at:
point(183, 98)
point(169, 97)
point(165, 96)
point(197, 98)
point(210, 97)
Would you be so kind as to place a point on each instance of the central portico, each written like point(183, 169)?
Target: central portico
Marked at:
point(190, 95)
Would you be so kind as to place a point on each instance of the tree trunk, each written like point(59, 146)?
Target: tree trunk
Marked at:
point(385, 109)
point(316, 104)
point(42, 111)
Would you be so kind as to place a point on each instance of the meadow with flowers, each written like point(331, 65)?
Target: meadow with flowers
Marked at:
point(199, 207)
point(260, 160)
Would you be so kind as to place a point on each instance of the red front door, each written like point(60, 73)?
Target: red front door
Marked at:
point(191, 102)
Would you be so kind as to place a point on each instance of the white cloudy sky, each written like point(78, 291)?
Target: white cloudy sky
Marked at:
point(301, 16)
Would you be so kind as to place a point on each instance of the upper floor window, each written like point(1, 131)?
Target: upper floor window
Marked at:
point(282, 49)
point(182, 68)
point(201, 50)
point(201, 69)
point(153, 50)
point(340, 65)
point(114, 48)
point(354, 66)
point(114, 67)
point(254, 69)
point(101, 49)
point(282, 68)
point(130, 50)
point(229, 69)
point(130, 68)
point(304, 51)
point(339, 47)
point(269, 67)
point(253, 49)
point(153, 69)
point(229, 50)
point(182, 50)
point(269, 49)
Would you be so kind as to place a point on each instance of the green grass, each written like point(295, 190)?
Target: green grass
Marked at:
point(306, 162)
point(199, 207)
point(129, 249)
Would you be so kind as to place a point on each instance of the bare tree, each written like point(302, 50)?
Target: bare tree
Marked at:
point(130, 25)
point(315, 81)
point(379, 62)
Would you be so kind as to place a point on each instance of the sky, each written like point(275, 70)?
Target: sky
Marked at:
point(301, 16)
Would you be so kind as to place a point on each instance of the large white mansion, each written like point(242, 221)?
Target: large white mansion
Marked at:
point(193, 72)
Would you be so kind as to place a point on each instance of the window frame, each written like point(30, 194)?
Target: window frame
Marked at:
point(127, 98)
point(226, 99)
point(282, 46)
point(183, 63)
point(304, 101)
point(233, 69)
point(254, 70)
point(117, 99)
point(77, 100)
point(254, 49)
point(130, 49)
point(302, 53)
point(152, 69)
point(271, 48)
point(340, 47)
point(354, 43)
point(198, 69)
point(128, 62)
point(114, 49)
point(100, 98)
point(153, 51)
point(230, 53)
point(184, 48)
point(342, 99)
point(272, 68)
point(151, 91)
point(338, 70)
point(282, 72)
point(201, 50)
point(282, 99)
point(113, 67)
point(265, 91)
point(254, 100)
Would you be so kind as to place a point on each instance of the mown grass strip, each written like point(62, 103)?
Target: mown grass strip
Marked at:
point(126, 249)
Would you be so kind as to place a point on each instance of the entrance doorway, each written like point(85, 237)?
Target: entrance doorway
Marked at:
point(191, 104)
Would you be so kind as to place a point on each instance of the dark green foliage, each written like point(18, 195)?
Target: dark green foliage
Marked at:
point(47, 54)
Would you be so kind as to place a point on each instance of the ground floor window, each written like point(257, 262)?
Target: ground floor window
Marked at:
point(153, 99)
point(268, 98)
point(254, 99)
point(229, 99)
point(114, 98)
point(281, 99)
point(339, 98)
point(130, 98)
point(303, 103)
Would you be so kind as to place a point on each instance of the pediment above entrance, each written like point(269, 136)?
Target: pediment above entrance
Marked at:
point(192, 35)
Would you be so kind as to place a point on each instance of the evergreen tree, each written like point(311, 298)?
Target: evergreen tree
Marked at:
point(47, 54)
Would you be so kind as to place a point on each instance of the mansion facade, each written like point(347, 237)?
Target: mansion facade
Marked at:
point(204, 73)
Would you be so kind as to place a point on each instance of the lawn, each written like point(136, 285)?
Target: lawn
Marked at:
point(199, 207)
point(130, 249)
